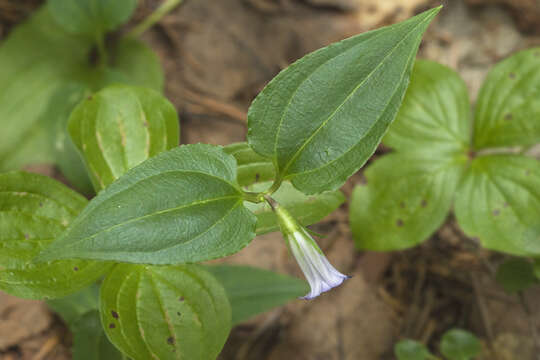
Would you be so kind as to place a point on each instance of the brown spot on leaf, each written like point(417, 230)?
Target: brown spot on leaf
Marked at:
point(506, 204)
point(512, 75)
point(496, 212)
point(145, 124)
point(170, 341)
point(181, 298)
point(178, 313)
point(508, 117)
point(399, 222)
point(112, 326)
point(423, 203)
point(114, 314)
point(402, 205)
point(75, 268)
point(40, 204)
point(26, 236)
point(257, 177)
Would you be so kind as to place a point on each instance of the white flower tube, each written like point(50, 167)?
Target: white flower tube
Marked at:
point(320, 274)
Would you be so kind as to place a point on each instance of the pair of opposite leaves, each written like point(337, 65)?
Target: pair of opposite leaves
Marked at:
point(442, 158)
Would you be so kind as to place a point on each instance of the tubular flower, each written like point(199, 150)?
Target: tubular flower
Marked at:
point(320, 274)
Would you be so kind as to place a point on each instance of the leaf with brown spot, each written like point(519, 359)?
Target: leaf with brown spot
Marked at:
point(148, 325)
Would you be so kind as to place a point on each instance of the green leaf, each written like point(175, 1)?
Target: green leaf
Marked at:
point(411, 350)
point(457, 344)
point(165, 312)
point(90, 341)
point(516, 275)
point(499, 202)
point(72, 307)
point(252, 291)
point(180, 206)
point(435, 115)
point(137, 64)
point(34, 210)
point(508, 101)
point(29, 83)
point(322, 117)
point(405, 200)
point(91, 17)
point(120, 127)
point(307, 209)
point(252, 167)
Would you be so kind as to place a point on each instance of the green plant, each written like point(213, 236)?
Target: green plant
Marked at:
point(442, 159)
point(456, 344)
point(161, 208)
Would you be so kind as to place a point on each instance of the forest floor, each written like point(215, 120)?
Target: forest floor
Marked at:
point(217, 56)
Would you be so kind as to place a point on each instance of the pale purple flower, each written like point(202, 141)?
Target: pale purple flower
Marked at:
point(320, 274)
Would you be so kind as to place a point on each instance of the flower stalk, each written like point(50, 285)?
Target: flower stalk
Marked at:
point(320, 274)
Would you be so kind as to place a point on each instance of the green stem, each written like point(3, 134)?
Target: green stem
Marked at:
point(154, 17)
point(253, 197)
point(275, 186)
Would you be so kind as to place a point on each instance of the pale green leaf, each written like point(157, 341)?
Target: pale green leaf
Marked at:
point(252, 291)
point(165, 312)
point(457, 344)
point(435, 115)
point(121, 126)
point(183, 205)
point(509, 103)
point(516, 275)
point(29, 83)
point(307, 209)
point(91, 17)
point(411, 350)
point(499, 203)
point(322, 117)
point(405, 200)
point(34, 210)
point(252, 167)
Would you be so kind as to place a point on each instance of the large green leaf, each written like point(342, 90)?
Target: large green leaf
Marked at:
point(457, 344)
point(121, 126)
point(499, 203)
point(307, 209)
point(165, 312)
point(183, 205)
point(252, 167)
point(322, 117)
point(34, 210)
point(91, 17)
point(405, 200)
point(252, 291)
point(28, 84)
point(509, 103)
point(435, 115)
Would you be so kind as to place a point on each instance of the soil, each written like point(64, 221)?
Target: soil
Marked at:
point(217, 56)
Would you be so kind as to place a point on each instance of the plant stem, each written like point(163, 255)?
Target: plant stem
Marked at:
point(253, 197)
point(154, 17)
